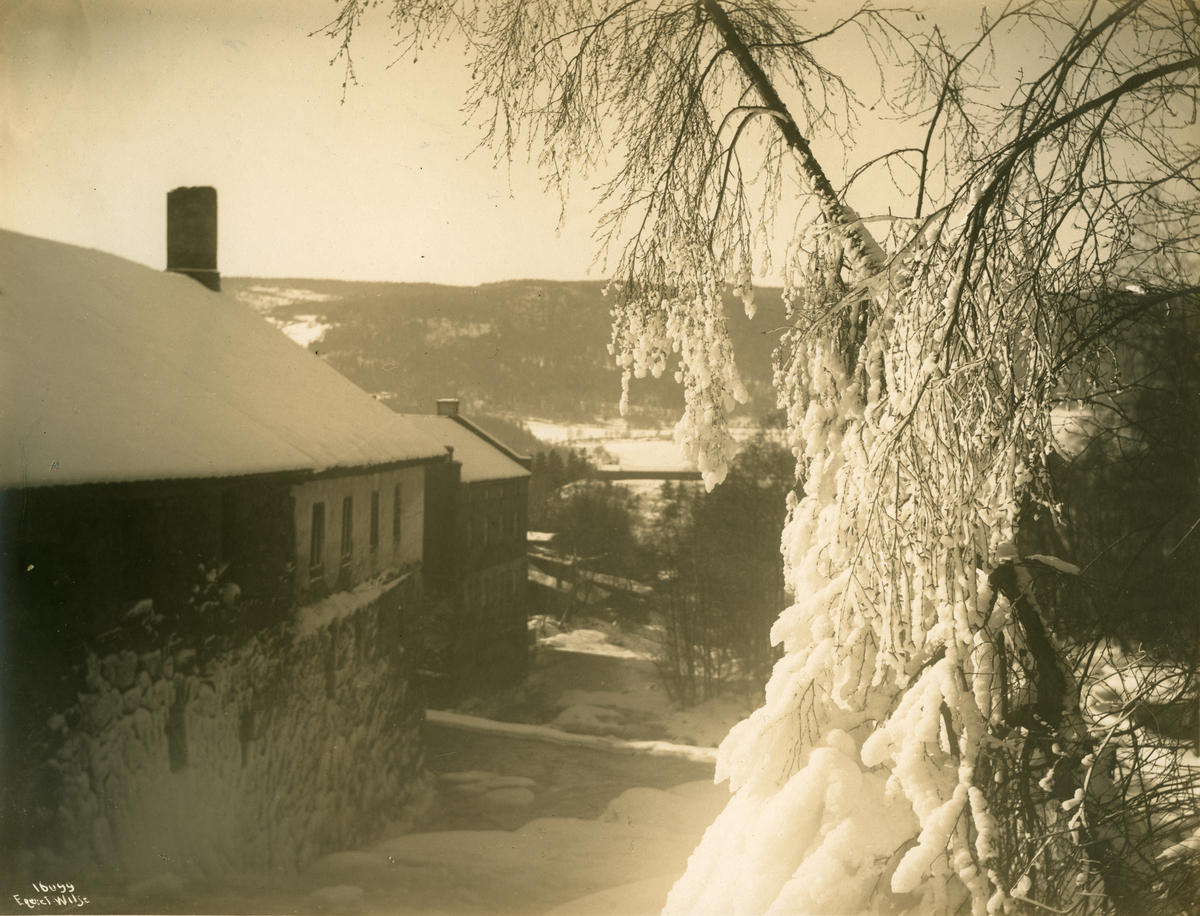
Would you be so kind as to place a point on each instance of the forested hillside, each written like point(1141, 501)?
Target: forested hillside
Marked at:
point(524, 347)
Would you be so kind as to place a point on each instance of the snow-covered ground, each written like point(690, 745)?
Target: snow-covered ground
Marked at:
point(599, 685)
point(635, 454)
point(623, 861)
point(590, 801)
point(555, 735)
point(622, 858)
point(304, 329)
point(629, 700)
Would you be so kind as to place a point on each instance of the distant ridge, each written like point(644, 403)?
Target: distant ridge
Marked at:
point(527, 348)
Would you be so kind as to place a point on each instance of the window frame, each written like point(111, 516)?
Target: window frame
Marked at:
point(316, 542)
point(374, 537)
point(347, 530)
point(397, 513)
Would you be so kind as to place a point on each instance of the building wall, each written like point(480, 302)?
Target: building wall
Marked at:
point(365, 561)
point(265, 755)
point(492, 607)
point(83, 555)
point(440, 564)
point(493, 644)
point(150, 713)
point(492, 521)
point(474, 628)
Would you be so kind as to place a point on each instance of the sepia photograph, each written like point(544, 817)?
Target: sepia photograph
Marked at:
point(581, 457)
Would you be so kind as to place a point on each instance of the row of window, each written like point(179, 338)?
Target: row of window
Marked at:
point(482, 494)
point(316, 554)
point(479, 532)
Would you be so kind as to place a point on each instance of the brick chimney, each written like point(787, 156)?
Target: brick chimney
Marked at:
point(447, 407)
point(192, 234)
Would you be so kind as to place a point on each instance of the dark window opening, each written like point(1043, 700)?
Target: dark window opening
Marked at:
point(374, 521)
point(396, 515)
point(347, 534)
point(316, 551)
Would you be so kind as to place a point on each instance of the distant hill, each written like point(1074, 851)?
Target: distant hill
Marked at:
point(525, 348)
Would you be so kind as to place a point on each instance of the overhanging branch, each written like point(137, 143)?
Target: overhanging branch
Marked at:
point(862, 243)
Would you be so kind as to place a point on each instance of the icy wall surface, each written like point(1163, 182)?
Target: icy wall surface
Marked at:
point(266, 756)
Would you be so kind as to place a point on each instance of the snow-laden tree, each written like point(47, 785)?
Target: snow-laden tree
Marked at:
point(922, 747)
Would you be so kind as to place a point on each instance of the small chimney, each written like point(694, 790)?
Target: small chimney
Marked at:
point(447, 407)
point(192, 234)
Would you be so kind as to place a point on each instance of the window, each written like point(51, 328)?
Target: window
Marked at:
point(374, 521)
point(347, 529)
point(396, 515)
point(316, 544)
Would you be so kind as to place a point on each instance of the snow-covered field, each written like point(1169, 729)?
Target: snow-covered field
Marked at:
point(631, 448)
point(303, 329)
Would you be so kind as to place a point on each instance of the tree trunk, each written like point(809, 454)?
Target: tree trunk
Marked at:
point(866, 254)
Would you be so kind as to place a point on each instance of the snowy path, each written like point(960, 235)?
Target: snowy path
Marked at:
point(557, 736)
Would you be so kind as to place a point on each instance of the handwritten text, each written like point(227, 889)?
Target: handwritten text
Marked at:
point(62, 894)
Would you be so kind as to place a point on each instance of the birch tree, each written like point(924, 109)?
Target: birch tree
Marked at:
point(926, 745)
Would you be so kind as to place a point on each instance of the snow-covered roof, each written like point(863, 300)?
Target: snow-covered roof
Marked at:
point(113, 371)
point(480, 459)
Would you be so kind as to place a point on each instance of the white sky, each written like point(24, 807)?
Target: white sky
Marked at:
point(108, 104)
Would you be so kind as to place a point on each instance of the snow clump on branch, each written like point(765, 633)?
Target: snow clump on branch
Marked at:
point(914, 476)
point(682, 319)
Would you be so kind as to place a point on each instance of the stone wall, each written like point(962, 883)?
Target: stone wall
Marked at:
point(297, 742)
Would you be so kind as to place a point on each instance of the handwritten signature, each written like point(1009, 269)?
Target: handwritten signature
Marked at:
point(62, 894)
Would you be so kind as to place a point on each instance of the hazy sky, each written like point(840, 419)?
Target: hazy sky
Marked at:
point(109, 104)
